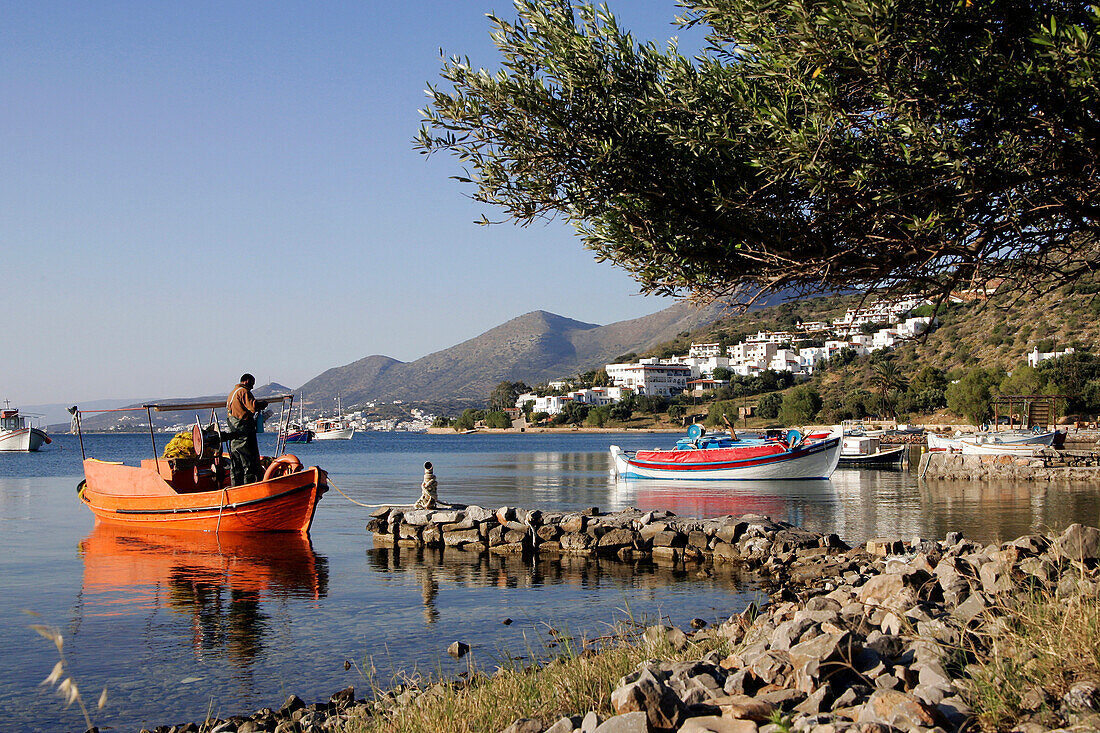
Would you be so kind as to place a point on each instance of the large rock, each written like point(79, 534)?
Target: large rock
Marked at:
point(617, 539)
point(895, 591)
point(635, 722)
point(461, 537)
point(1079, 543)
point(577, 542)
point(525, 725)
point(649, 695)
point(899, 710)
point(743, 707)
point(716, 724)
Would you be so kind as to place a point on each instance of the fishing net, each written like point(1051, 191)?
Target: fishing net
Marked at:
point(181, 446)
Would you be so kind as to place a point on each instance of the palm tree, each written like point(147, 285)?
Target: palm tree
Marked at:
point(886, 378)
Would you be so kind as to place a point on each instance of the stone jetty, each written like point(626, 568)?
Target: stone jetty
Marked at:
point(1047, 465)
point(753, 540)
point(871, 639)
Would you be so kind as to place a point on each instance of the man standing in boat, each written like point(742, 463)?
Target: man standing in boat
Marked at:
point(244, 451)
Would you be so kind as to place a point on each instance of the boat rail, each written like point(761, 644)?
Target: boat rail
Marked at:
point(286, 400)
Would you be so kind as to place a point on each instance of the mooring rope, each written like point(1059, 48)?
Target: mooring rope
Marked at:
point(353, 501)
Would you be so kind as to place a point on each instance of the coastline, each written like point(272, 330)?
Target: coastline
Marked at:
point(892, 634)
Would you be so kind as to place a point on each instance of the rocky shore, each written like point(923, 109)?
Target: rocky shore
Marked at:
point(882, 637)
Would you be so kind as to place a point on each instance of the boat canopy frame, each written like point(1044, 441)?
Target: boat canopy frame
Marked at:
point(286, 400)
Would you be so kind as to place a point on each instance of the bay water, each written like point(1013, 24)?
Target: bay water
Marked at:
point(178, 630)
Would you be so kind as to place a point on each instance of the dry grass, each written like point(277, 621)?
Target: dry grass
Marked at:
point(574, 683)
point(1043, 642)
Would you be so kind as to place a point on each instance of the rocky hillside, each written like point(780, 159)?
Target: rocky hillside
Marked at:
point(534, 347)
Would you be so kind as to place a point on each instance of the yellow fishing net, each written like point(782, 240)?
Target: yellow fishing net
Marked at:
point(181, 446)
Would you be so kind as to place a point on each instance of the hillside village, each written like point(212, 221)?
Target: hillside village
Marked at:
point(702, 368)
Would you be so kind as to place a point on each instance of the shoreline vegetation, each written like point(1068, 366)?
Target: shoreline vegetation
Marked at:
point(920, 635)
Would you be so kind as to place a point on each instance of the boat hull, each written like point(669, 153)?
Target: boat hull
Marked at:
point(338, 434)
point(955, 443)
point(1023, 450)
point(139, 496)
point(299, 437)
point(816, 460)
point(22, 440)
point(882, 457)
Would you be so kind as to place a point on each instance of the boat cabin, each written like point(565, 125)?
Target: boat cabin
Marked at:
point(11, 420)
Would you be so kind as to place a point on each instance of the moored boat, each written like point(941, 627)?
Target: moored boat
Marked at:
point(193, 492)
point(1023, 450)
point(1009, 437)
point(294, 434)
point(332, 430)
point(861, 450)
point(792, 456)
point(16, 434)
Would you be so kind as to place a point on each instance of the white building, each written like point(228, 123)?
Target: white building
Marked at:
point(651, 377)
point(752, 351)
point(912, 327)
point(785, 360)
point(701, 366)
point(550, 404)
point(703, 351)
point(811, 356)
point(1037, 356)
point(771, 337)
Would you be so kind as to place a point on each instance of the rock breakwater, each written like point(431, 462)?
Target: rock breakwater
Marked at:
point(752, 540)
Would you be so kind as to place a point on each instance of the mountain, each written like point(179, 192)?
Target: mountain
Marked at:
point(532, 348)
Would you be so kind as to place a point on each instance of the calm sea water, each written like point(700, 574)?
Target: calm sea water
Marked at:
point(175, 630)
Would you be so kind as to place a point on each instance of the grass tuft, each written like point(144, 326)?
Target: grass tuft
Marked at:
point(581, 679)
point(1040, 643)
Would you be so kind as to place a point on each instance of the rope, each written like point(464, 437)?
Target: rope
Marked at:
point(353, 501)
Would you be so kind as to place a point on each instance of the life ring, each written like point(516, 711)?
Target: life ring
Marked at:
point(283, 466)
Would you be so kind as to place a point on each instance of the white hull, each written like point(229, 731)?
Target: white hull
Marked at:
point(817, 460)
point(339, 434)
point(1025, 450)
point(955, 443)
point(22, 440)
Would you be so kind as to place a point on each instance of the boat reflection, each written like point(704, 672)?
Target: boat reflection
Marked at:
point(219, 583)
point(687, 498)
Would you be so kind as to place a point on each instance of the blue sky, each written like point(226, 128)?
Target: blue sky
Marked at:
point(192, 190)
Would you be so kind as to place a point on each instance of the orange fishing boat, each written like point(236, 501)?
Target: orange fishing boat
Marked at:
point(193, 492)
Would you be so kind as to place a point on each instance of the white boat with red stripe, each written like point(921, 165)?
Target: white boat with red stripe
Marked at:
point(793, 455)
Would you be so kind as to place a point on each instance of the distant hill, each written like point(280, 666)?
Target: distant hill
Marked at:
point(532, 348)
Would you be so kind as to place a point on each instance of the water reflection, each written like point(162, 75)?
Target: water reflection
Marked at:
point(434, 568)
point(218, 583)
point(861, 503)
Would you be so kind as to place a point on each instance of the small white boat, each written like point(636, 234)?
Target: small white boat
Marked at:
point(332, 430)
point(1008, 437)
point(335, 428)
point(862, 450)
point(793, 456)
point(1023, 450)
point(16, 434)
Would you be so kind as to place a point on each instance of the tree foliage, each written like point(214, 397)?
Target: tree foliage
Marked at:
point(505, 394)
point(812, 146)
point(971, 396)
point(769, 405)
point(800, 405)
